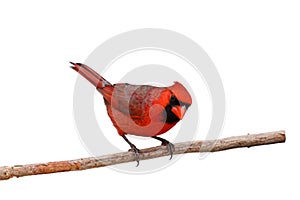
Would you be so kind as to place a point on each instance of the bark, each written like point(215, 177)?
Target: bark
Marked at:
point(7, 172)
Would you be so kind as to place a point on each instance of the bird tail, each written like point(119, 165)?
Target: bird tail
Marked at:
point(93, 77)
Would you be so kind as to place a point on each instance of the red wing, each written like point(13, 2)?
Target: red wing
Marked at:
point(119, 97)
point(132, 100)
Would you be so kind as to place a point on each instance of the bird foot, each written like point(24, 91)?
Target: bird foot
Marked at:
point(170, 147)
point(136, 152)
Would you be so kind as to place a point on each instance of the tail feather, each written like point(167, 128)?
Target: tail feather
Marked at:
point(93, 77)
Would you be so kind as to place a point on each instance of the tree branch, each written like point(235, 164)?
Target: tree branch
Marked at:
point(249, 140)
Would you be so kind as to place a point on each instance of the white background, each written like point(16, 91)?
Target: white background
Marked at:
point(255, 46)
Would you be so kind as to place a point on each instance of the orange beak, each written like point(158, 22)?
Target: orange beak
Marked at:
point(179, 111)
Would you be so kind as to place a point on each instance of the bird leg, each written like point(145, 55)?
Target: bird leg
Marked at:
point(169, 145)
point(135, 150)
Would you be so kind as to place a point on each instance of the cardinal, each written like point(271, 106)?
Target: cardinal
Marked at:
point(141, 110)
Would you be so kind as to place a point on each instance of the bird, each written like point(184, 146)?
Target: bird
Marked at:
point(141, 110)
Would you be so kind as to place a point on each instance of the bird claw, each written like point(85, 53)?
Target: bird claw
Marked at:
point(136, 152)
point(170, 147)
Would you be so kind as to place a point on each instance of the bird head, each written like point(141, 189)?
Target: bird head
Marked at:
point(176, 102)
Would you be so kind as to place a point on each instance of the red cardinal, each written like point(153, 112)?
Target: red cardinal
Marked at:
point(141, 110)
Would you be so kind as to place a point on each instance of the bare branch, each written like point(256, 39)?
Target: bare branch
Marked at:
point(249, 140)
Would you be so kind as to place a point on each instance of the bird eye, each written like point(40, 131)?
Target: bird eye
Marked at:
point(173, 98)
point(174, 101)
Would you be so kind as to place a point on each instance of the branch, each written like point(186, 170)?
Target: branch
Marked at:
point(7, 172)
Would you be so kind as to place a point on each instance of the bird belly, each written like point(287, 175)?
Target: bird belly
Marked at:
point(126, 125)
